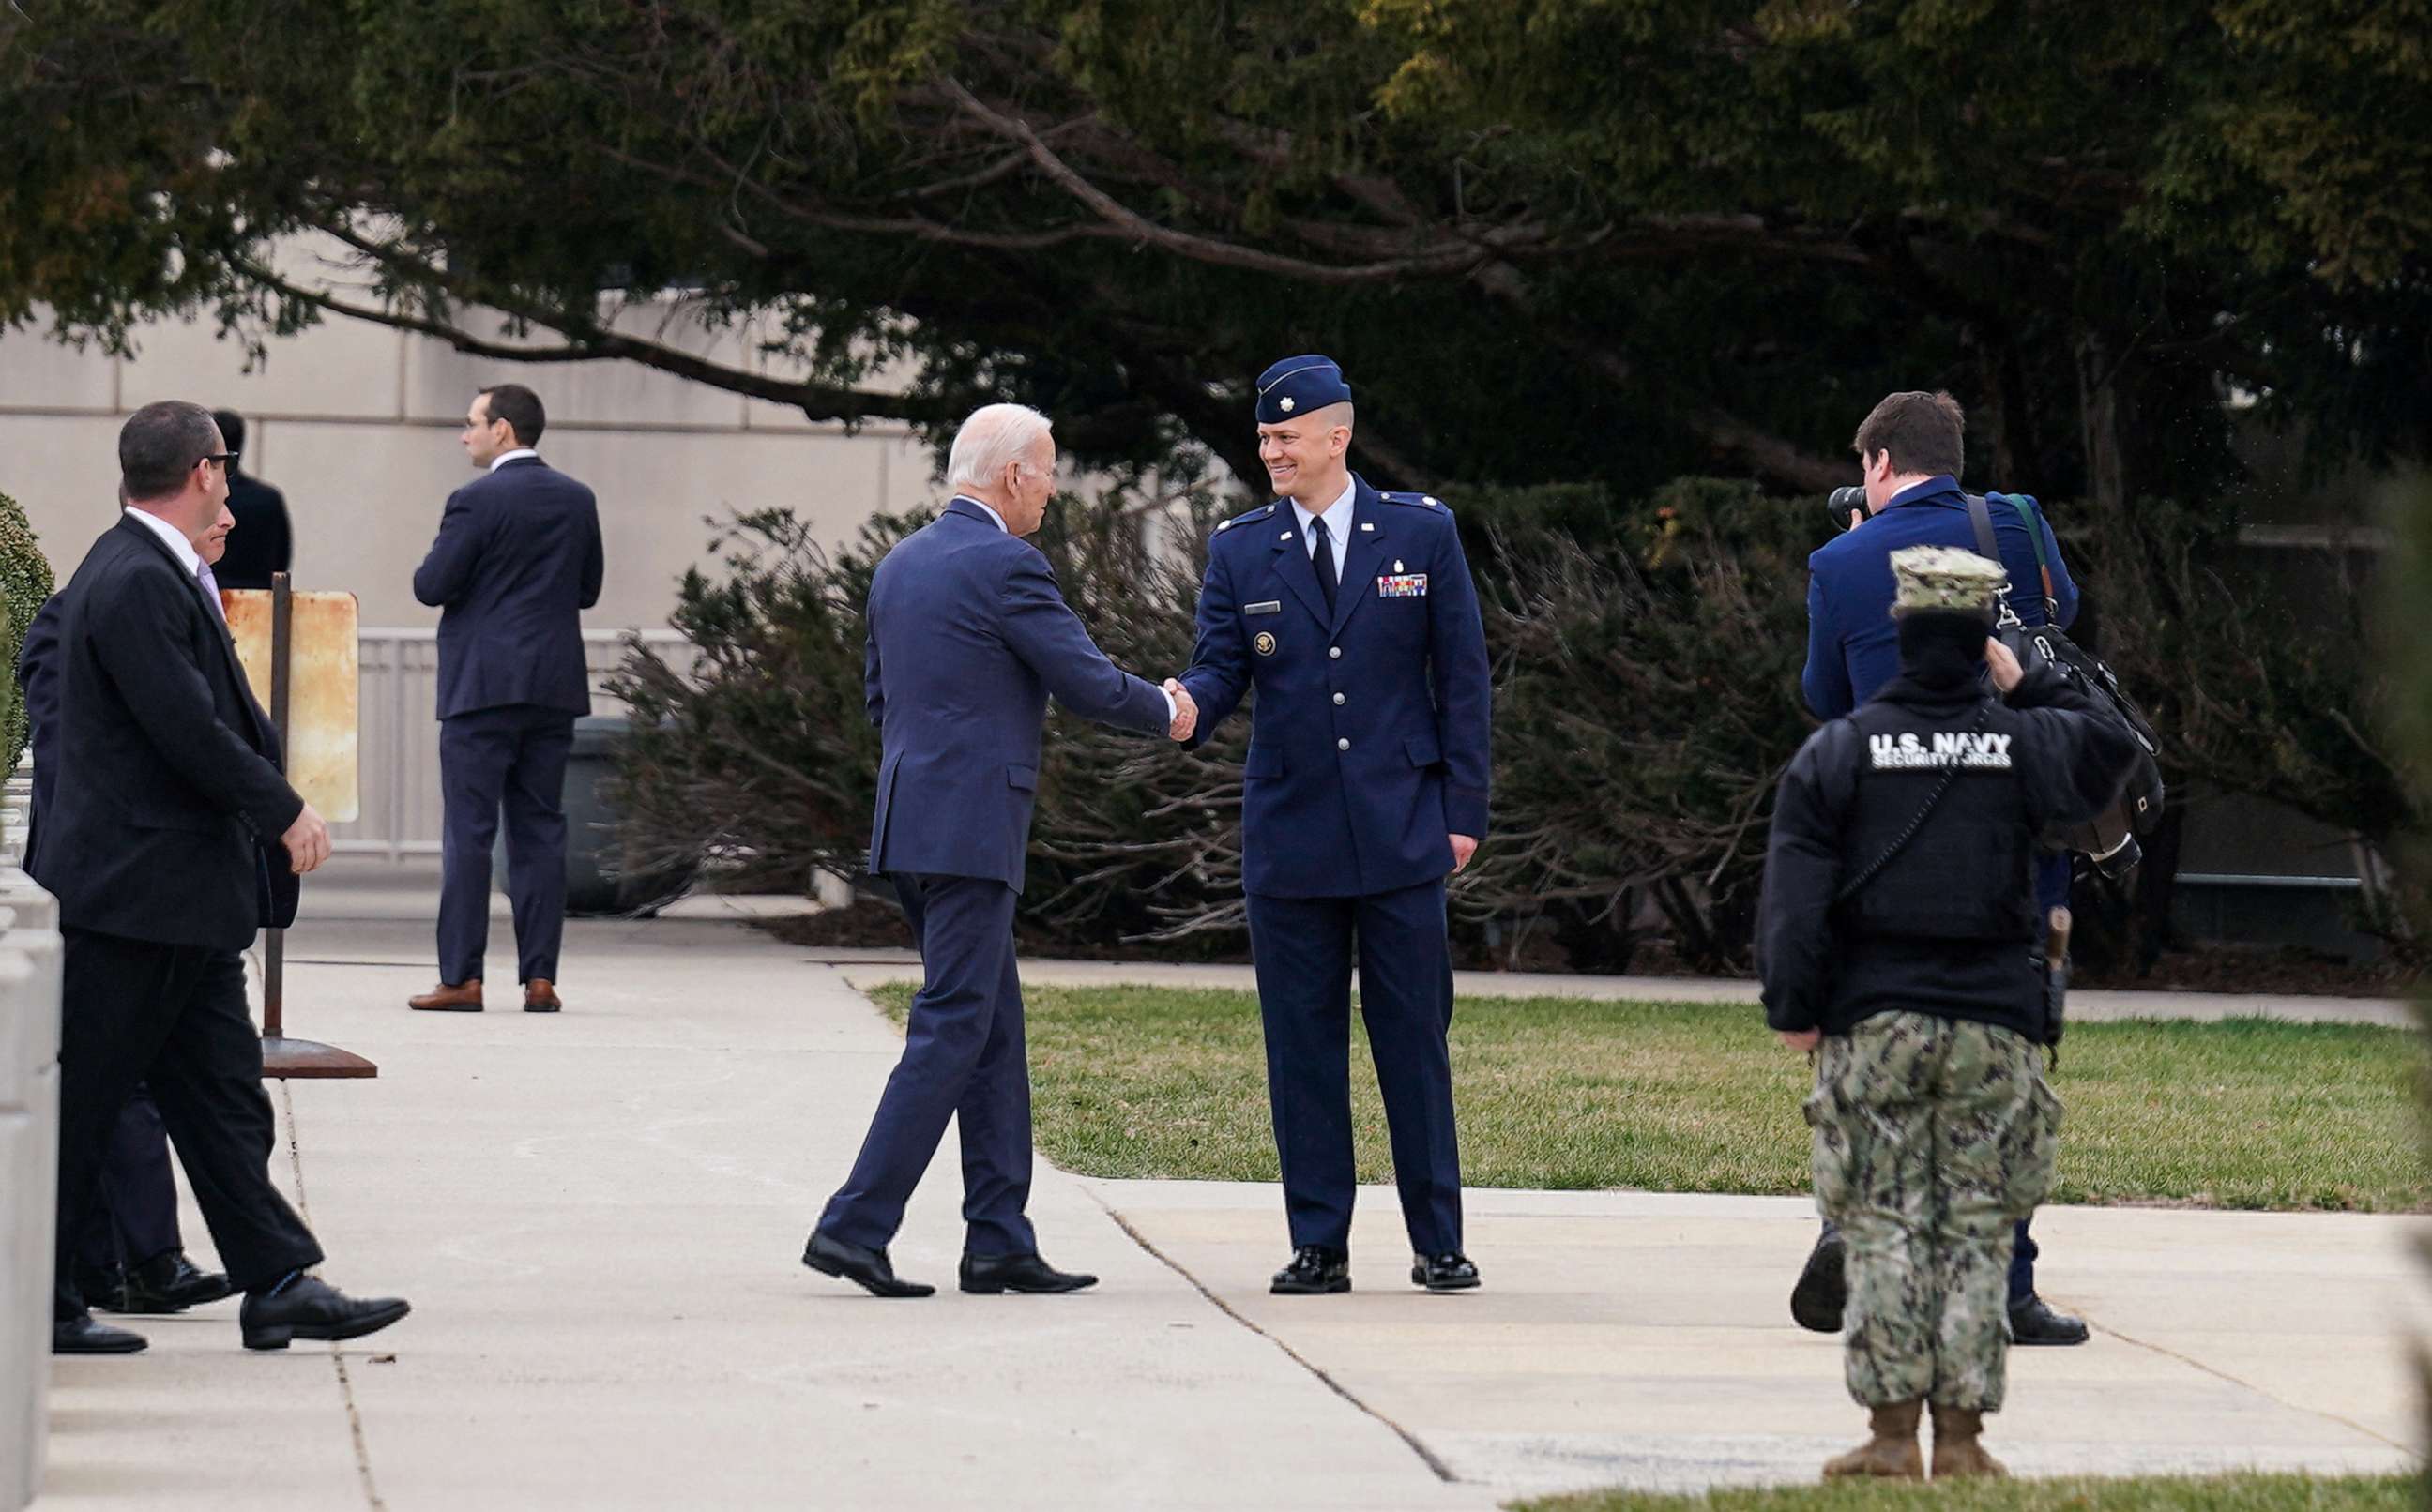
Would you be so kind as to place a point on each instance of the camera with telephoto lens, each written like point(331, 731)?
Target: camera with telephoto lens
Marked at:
point(1840, 502)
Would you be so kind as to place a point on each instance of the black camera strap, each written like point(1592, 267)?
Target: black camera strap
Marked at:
point(1891, 852)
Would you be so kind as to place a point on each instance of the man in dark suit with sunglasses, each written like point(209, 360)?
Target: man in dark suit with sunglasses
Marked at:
point(171, 839)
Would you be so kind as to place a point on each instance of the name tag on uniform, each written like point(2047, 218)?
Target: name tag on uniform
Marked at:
point(1402, 585)
point(1269, 606)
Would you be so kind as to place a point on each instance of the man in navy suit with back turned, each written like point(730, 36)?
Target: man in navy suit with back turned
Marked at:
point(1911, 447)
point(968, 637)
point(517, 561)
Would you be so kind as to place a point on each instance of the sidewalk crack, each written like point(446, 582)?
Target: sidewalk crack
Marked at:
point(1410, 1440)
point(2277, 1399)
point(337, 1357)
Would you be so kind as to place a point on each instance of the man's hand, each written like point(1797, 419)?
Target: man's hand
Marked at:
point(1463, 847)
point(2004, 665)
point(1185, 711)
point(1802, 1040)
point(307, 840)
point(1857, 517)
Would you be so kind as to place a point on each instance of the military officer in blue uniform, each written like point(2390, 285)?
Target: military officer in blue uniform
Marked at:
point(1352, 613)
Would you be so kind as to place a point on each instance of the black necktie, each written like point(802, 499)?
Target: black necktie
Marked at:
point(1324, 559)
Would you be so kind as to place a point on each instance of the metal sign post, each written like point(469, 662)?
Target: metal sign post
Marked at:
point(280, 1055)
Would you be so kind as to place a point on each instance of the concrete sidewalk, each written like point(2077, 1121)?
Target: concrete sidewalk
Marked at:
point(597, 1217)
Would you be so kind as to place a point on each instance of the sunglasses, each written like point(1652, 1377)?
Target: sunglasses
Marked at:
point(225, 458)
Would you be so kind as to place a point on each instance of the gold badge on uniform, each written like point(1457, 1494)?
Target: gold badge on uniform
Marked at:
point(1265, 642)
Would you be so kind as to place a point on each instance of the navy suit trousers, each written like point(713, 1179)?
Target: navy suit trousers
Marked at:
point(1303, 949)
point(964, 1058)
point(511, 757)
point(135, 1214)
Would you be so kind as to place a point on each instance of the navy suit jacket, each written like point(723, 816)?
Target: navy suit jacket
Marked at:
point(516, 561)
point(1852, 645)
point(38, 685)
point(1369, 742)
point(162, 816)
point(969, 636)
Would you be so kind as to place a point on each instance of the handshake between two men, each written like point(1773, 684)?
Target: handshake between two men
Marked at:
point(1351, 614)
point(1186, 712)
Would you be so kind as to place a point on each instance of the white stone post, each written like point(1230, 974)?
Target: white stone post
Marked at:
point(30, 1128)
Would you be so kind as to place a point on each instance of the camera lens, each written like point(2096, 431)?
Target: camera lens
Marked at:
point(1840, 502)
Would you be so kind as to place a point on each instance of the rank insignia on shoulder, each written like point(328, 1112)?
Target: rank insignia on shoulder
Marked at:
point(1402, 585)
point(1258, 514)
point(1264, 643)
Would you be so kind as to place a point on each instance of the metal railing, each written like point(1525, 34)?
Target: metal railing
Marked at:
point(397, 736)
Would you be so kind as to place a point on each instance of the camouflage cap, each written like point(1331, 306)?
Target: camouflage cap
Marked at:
point(1945, 578)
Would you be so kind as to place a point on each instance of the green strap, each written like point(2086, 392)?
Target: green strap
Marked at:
point(2034, 525)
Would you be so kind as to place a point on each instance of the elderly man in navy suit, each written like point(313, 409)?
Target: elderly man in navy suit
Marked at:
point(1911, 446)
point(517, 561)
point(968, 637)
point(1365, 788)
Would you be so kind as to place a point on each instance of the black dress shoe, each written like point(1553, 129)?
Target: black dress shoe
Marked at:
point(861, 1264)
point(309, 1307)
point(1823, 1290)
point(989, 1274)
point(104, 1287)
point(1448, 1272)
point(2033, 1322)
point(165, 1283)
point(81, 1334)
point(1315, 1270)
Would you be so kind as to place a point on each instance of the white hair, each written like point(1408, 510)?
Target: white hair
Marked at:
point(995, 437)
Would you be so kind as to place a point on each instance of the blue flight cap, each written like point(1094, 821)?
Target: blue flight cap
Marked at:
point(1296, 385)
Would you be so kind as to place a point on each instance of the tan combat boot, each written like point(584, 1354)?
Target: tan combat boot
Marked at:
point(1957, 1455)
point(1892, 1453)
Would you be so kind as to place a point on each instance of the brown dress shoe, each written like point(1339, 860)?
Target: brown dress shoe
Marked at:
point(540, 997)
point(462, 998)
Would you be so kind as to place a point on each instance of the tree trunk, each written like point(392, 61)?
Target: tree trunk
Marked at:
point(2099, 416)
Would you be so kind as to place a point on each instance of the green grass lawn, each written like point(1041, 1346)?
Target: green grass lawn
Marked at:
point(2236, 1493)
point(1141, 1081)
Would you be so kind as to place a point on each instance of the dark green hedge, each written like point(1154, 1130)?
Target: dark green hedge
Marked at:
point(24, 583)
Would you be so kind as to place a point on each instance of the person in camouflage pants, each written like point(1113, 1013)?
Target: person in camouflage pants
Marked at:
point(1934, 1137)
point(1897, 940)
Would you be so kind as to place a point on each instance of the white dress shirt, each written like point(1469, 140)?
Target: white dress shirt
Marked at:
point(1172, 709)
point(1338, 526)
point(505, 456)
point(187, 556)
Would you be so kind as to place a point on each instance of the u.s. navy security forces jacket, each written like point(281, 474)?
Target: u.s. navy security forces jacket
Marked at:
point(1949, 927)
point(1369, 736)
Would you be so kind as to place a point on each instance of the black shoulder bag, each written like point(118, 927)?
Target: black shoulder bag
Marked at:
point(2108, 840)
